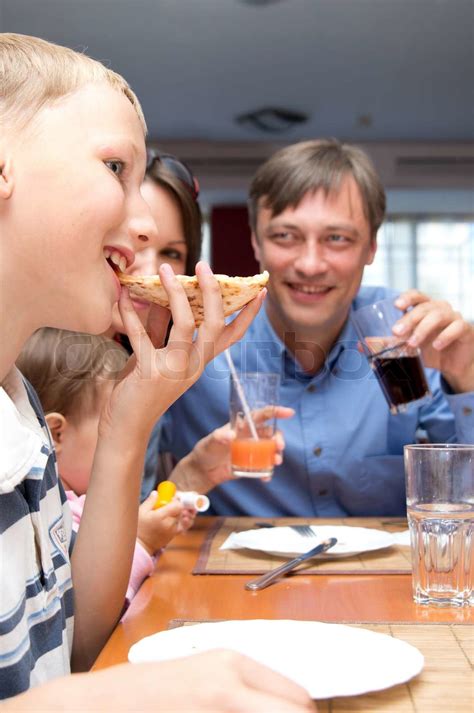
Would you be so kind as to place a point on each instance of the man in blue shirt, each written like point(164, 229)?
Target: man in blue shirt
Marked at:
point(315, 208)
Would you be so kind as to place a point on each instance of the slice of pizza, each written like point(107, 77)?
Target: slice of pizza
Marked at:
point(236, 291)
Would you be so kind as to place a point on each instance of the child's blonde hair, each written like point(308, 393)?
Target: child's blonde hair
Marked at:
point(67, 369)
point(34, 73)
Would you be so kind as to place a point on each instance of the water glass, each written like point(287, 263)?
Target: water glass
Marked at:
point(440, 506)
point(397, 365)
point(253, 396)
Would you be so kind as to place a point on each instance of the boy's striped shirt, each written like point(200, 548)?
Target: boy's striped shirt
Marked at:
point(36, 597)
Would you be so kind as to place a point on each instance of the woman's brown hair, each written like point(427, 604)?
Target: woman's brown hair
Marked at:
point(189, 209)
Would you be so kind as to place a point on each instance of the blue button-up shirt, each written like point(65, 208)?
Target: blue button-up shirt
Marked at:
point(344, 449)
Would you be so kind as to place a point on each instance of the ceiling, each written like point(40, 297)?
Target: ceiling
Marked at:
point(363, 70)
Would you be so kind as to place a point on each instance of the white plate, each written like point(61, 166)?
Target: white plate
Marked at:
point(327, 660)
point(285, 541)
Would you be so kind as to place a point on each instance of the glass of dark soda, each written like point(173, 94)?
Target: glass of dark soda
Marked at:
point(397, 365)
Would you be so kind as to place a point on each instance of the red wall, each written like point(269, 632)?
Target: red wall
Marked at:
point(231, 251)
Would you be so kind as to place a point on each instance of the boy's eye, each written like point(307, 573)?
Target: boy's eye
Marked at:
point(338, 238)
point(115, 166)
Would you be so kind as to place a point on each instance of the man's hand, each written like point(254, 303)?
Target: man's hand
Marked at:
point(446, 339)
point(209, 464)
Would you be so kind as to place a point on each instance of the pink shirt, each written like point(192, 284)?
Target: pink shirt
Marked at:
point(143, 564)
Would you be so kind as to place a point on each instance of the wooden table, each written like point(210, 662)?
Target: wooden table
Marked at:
point(173, 592)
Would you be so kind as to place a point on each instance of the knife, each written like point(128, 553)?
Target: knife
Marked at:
point(274, 574)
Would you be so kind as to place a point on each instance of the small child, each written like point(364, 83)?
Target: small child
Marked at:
point(73, 375)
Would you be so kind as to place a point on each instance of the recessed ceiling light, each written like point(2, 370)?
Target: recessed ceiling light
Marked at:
point(272, 119)
point(364, 120)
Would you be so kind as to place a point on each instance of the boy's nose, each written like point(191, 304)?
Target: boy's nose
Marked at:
point(142, 227)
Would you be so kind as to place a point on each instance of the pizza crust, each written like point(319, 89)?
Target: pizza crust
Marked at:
point(236, 291)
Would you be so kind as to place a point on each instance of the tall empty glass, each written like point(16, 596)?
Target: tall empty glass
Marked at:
point(397, 365)
point(440, 505)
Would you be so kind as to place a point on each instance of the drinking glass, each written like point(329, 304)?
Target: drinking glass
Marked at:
point(440, 505)
point(253, 450)
point(397, 365)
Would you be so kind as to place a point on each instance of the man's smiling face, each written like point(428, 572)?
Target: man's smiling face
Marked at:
point(316, 253)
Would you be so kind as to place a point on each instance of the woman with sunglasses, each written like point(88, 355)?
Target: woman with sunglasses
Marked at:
point(171, 191)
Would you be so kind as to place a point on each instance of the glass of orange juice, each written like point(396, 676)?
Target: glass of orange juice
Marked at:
point(253, 450)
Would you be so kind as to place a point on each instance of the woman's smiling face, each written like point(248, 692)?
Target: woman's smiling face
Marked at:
point(168, 244)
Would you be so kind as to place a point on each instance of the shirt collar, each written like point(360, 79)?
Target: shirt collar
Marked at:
point(346, 338)
point(265, 330)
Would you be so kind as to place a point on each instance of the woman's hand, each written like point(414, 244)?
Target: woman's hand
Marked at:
point(209, 464)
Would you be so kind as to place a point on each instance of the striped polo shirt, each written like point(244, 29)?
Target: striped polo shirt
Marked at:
point(36, 597)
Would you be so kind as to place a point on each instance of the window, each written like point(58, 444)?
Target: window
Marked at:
point(435, 256)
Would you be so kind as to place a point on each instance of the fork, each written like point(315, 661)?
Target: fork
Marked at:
point(303, 530)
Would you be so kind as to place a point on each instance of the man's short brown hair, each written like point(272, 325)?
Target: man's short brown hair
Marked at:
point(292, 172)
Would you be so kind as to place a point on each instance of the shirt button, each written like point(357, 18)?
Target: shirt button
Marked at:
point(317, 451)
point(467, 410)
point(322, 492)
point(311, 389)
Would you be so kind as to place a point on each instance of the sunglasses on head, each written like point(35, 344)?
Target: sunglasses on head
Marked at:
point(176, 167)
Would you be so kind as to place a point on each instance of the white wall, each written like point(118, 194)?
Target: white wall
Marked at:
point(419, 177)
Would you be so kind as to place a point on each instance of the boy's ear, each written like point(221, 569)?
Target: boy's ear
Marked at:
point(57, 425)
point(6, 178)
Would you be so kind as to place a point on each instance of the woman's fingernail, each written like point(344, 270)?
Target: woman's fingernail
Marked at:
point(399, 303)
point(438, 344)
point(413, 342)
point(399, 328)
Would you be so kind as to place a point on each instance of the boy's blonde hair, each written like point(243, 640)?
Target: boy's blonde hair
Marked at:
point(35, 73)
point(68, 369)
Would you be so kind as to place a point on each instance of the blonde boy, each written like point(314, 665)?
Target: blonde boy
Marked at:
point(72, 159)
